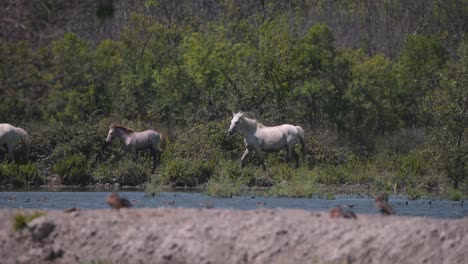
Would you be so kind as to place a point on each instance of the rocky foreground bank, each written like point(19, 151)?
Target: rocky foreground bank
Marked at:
point(175, 235)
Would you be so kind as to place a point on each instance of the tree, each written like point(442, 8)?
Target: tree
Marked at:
point(414, 72)
point(369, 97)
point(448, 103)
point(72, 94)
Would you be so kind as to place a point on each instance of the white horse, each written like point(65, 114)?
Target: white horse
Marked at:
point(133, 141)
point(268, 139)
point(11, 136)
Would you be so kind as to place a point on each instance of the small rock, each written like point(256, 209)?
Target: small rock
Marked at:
point(89, 231)
point(40, 229)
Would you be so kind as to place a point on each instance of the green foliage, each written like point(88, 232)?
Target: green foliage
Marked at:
point(19, 175)
point(210, 141)
point(125, 171)
point(72, 170)
point(187, 173)
point(297, 183)
point(415, 73)
point(73, 91)
point(319, 153)
point(396, 121)
point(448, 104)
point(20, 221)
point(222, 186)
point(455, 195)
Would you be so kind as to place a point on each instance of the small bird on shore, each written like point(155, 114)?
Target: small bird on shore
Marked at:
point(116, 202)
point(382, 205)
point(71, 209)
point(337, 212)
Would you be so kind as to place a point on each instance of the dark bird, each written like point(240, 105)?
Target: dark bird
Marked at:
point(116, 202)
point(253, 196)
point(382, 205)
point(261, 204)
point(71, 209)
point(350, 205)
point(406, 202)
point(337, 212)
point(208, 204)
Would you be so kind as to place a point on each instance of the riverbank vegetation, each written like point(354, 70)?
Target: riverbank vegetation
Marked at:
point(386, 116)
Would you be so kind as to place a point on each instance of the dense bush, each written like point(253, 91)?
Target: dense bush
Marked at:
point(187, 172)
point(20, 175)
point(125, 171)
point(72, 170)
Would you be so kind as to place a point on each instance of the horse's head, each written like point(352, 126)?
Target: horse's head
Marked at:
point(235, 122)
point(110, 134)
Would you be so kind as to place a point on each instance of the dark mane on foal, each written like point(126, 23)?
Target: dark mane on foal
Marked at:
point(130, 130)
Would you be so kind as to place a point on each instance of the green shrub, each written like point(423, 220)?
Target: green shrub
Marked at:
point(454, 194)
point(187, 173)
point(19, 174)
point(223, 186)
point(414, 193)
point(72, 170)
point(210, 141)
point(321, 152)
point(125, 171)
point(21, 220)
point(300, 183)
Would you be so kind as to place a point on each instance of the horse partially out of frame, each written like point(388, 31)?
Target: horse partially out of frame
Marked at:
point(133, 141)
point(11, 136)
point(268, 139)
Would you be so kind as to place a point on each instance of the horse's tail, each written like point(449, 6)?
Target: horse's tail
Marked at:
point(26, 140)
point(302, 139)
point(162, 138)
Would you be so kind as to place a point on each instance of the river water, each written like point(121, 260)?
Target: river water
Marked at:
point(96, 200)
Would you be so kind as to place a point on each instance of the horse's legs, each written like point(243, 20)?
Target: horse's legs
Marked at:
point(154, 154)
point(262, 156)
point(296, 157)
point(243, 156)
point(159, 154)
point(11, 152)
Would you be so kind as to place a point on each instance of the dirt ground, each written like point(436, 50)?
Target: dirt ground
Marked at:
point(176, 235)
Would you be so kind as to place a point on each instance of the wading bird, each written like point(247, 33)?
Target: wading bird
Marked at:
point(116, 202)
point(337, 212)
point(382, 205)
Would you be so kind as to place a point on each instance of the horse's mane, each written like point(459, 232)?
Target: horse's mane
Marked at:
point(130, 130)
point(253, 122)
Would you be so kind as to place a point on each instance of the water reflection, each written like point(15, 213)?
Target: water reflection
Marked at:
point(96, 200)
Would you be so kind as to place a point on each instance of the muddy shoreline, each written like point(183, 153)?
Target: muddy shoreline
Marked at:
point(176, 235)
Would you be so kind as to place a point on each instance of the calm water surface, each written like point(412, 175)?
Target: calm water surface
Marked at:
point(95, 200)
